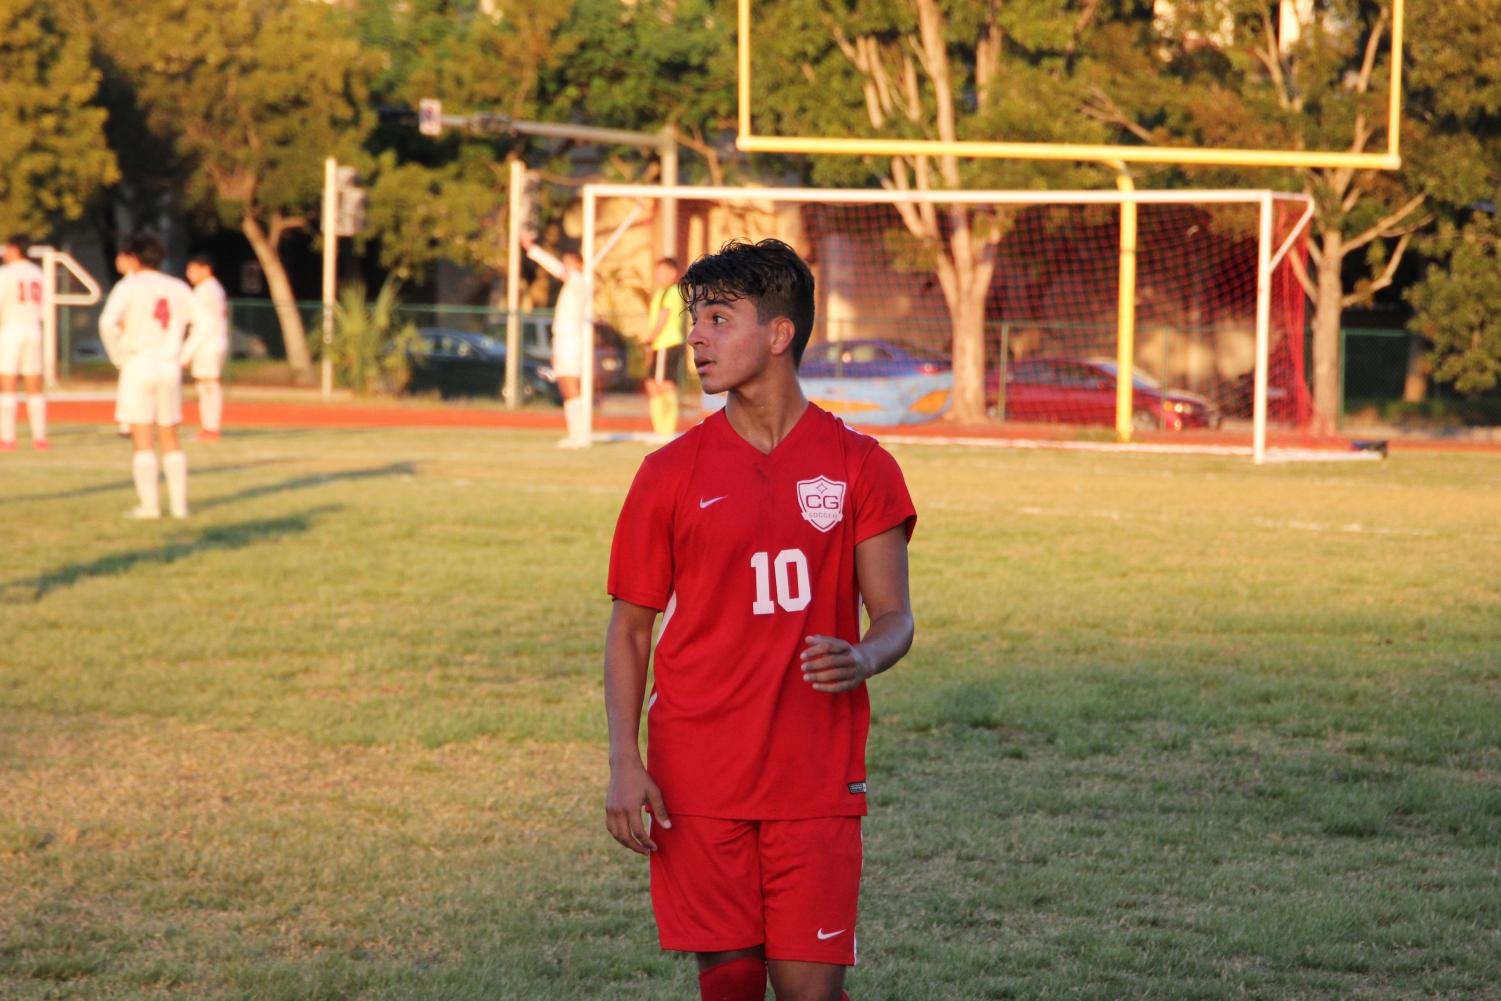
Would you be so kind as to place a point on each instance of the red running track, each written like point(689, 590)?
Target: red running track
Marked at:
point(259, 413)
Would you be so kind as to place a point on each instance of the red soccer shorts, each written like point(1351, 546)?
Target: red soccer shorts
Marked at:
point(792, 886)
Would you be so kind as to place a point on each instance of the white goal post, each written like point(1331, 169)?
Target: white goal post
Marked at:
point(1273, 241)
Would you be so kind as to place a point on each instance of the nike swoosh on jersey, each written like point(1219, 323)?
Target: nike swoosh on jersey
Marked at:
point(711, 501)
point(824, 936)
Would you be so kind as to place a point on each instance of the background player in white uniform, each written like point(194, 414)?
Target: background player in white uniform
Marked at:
point(207, 347)
point(569, 317)
point(142, 329)
point(20, 343)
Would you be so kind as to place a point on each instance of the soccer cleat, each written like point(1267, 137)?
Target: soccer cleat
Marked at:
point(572, 443)
point(139, 513)
point(7, 446)
point(206, 435)
point(180, 513)
point(41, 444)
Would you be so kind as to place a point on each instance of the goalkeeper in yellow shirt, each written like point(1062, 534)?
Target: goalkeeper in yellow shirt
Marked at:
point(664, 358)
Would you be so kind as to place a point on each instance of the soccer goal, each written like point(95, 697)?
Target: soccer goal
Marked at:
point(1019, 306)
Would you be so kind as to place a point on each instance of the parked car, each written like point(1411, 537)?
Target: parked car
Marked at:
point(1082, 391)
point(867, 359)
point(1237, 398)
point(609, 351)
point(467, 363)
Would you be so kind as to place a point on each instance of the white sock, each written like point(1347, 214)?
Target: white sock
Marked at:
point(210, 405)
point(36, 413)
point(8, 403)
point(574, 416)
point(175, 466)
point(143, 468)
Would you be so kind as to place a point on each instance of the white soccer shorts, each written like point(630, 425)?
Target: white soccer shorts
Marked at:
point(20, 352)
point(150, 392)
point(567, 355)
point(208, 361)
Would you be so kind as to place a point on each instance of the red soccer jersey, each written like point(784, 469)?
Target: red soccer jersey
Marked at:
point(746, 555)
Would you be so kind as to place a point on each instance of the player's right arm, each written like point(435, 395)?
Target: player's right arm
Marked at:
point(549, 263)
point(631, 790)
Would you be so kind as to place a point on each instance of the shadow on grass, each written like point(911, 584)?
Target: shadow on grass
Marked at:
point(218, 537)
point(303, 482)
point(126, 484)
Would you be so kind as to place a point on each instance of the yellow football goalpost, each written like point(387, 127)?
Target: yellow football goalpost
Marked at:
point(1389, 160)
point(1117, 156)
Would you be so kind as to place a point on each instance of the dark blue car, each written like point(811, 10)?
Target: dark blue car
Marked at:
point(466, 363)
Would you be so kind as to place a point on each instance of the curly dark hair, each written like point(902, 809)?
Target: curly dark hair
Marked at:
point(146, 248)
point(769, 274)
point(21, 243)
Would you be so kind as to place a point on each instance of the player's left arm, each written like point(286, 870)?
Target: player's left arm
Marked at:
point(831, 664)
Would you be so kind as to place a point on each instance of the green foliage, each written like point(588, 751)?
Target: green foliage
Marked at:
point(53, 157)
point(1456, 78)
point(453, 211)
point(443, 198)
point(645, 65)
point(853, 70)
point(1455, 303)
point(369, 350)
point(252, 96)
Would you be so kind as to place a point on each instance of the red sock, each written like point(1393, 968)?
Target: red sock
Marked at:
point(741, 979)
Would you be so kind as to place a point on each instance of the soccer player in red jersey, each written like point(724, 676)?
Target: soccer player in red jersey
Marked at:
point(757, 535)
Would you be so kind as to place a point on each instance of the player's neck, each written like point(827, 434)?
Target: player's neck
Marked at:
point(765, 411)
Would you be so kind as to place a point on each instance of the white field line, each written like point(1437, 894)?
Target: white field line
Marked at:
point(1242, 451)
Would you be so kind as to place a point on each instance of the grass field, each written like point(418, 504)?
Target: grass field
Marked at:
point(1173, 728)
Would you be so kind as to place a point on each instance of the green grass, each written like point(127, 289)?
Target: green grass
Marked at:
point(1174, 727)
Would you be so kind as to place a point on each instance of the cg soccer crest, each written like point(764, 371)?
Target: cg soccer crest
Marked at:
point(822, 501)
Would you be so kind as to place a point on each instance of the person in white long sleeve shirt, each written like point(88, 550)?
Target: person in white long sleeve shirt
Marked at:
point(569, 336)
point(20, 343)
point(207, 347)
point(142, 328)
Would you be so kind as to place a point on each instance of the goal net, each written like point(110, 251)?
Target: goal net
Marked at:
point(1008, 306)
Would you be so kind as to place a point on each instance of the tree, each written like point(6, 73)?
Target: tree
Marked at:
point(1455, 304)
point(1456, 82)
point(443, 199)
point(646, 66)
point(53, 157)
point(639, 66)
point(935, 69)
point(251, 96)
point(1230, 73)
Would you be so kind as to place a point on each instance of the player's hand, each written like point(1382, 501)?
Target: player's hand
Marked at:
point(632, 790)
point(834, 665)
point(525, 241)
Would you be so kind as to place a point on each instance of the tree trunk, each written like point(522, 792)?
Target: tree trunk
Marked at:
point(971, 270)
point(969, 358)
point(293, 336)
point(1415, 387)
point(1328, 311)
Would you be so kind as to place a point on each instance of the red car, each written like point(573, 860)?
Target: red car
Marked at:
point(1082, 391)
